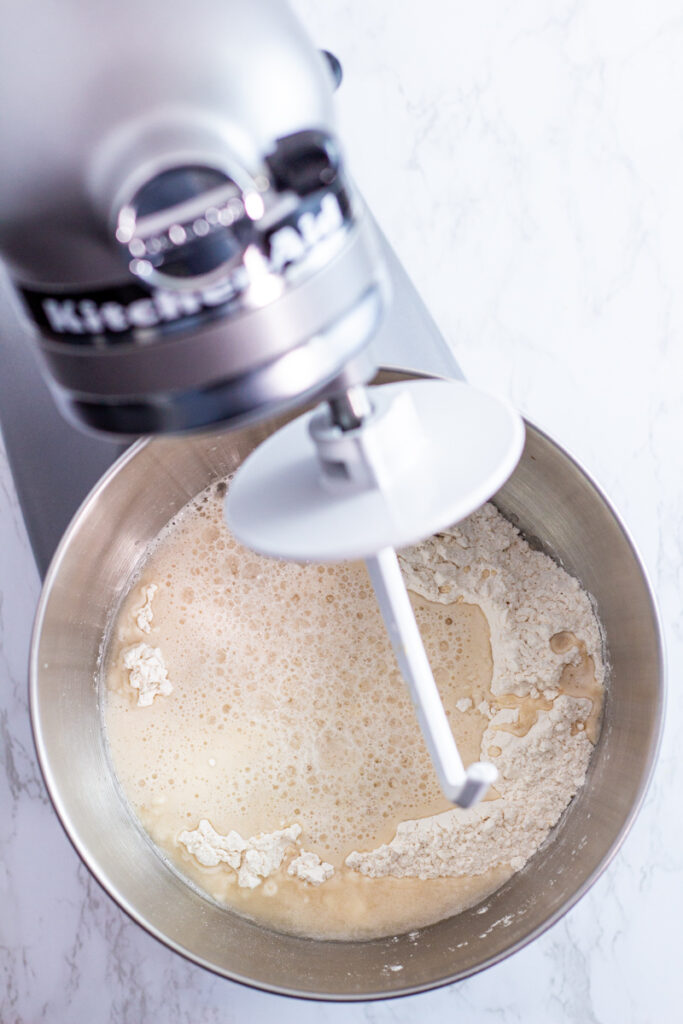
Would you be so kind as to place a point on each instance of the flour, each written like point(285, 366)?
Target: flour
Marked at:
point(147, 673)
point(253, 859)
point(210, 848)
point(310, 868)
point(541, 760)
point(144, 614)
point(264, 855)
point(525, 596)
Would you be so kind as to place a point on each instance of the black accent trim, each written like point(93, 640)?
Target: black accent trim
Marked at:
point(335, 67)
point(305, 162)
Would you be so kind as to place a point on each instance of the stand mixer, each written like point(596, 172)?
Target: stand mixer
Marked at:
point(195, 256)
point(91, 96)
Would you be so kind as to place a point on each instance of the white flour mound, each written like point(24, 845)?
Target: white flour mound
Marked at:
point(525, 596)
point(310, 868)
point(527, 599)
point(147, 673)
point(253, 859)
point(144, 614)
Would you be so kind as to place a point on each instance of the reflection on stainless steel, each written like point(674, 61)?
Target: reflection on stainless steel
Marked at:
point(553, 502)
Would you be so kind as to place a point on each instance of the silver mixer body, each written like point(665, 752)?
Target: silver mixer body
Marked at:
point(175, 211)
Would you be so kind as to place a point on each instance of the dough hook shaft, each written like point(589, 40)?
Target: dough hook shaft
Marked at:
point(464, 787)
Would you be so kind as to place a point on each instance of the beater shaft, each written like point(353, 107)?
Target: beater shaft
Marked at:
point(464, 787)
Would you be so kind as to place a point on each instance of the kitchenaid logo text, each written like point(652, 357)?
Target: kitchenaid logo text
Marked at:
point(133, 308)
point(85, 316)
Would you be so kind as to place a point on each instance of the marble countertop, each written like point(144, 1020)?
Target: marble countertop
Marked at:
point(526, 162)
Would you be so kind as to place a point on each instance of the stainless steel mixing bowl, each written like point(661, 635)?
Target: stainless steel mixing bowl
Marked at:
point(557, 506)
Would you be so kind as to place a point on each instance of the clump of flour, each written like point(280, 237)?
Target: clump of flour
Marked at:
point(253, 859)
point(526, 597)
point(528, 600)
point(147, 673)
point(144, 614)
point(309, 867)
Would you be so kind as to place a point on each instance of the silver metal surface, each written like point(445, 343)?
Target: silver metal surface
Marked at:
point(227, 346)
point(215, 178)
point(117, 93)
point(54, 464)
point(349, 408)
point(557, 506)
point(149, 239)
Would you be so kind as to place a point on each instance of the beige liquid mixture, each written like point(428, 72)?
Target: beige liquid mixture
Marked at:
point(288, 707)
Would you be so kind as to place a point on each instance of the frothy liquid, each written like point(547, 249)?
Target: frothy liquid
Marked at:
point(288, 706)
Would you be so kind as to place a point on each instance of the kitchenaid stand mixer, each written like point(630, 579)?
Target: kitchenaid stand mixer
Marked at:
point(75, 74)
point(187, 243)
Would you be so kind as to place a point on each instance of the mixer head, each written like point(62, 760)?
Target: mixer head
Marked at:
point(176, 214)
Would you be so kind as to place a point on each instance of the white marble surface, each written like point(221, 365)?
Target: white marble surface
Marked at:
point(526, 161)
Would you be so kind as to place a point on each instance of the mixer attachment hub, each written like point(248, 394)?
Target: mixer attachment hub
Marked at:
point(431, 452)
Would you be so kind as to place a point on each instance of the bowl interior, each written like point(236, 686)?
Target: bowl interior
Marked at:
point(556, 506)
